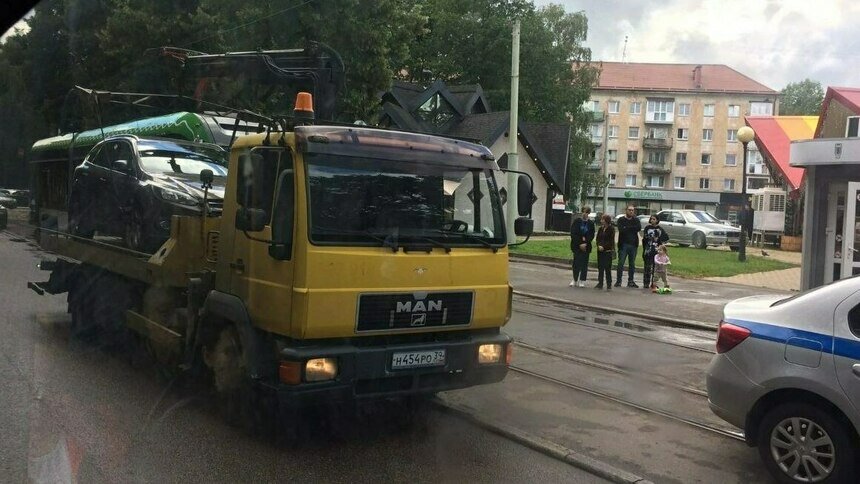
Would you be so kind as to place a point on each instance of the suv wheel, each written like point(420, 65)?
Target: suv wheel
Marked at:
point(136, 236)
point(78, 224)
point(799, 442)
point(699, 241)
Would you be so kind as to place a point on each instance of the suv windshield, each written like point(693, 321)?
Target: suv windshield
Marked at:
point(701, 217)
point(371, 202)
point(173, 158)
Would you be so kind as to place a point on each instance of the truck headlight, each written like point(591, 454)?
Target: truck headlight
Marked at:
point(490, 353)
point(320, 369)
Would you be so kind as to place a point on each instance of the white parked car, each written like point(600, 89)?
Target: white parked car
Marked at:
point(698, 228)
point(788, 372)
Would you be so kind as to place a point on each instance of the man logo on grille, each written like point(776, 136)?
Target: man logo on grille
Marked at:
point(419, 319)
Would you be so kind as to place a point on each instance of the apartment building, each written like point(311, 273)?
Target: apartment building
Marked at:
point(667, 134)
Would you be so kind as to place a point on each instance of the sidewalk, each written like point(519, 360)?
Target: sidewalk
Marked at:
point(692, 300)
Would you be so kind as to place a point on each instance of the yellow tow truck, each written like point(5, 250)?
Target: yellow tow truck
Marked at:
point(346, 263)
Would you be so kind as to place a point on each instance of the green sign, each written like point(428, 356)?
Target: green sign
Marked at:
point(644, 194)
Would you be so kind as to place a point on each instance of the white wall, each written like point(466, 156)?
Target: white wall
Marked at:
point(528, 165)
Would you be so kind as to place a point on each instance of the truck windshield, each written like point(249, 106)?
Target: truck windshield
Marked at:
point(363, 201)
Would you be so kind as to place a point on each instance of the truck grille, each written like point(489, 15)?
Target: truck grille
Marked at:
point(381, 312)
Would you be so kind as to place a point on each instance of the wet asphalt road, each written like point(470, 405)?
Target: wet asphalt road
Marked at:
point(72, 411)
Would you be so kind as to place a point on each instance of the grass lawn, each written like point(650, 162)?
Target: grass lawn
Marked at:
point(686, 261)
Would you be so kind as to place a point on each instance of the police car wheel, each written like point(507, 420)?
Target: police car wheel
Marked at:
point(799, 442)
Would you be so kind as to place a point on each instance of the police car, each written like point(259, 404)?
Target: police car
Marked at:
point(787, 371)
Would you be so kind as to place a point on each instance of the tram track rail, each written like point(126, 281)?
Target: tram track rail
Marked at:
point(604, 327)
point(736, 435)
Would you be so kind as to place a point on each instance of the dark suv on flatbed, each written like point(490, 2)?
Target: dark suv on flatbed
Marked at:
point(130, 186)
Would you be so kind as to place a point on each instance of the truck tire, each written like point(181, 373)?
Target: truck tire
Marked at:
point(111, 297)
point(788, 454)
point(242, 402)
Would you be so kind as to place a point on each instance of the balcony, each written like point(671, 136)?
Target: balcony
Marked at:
point(657, 143)
point(593, 165)
point(661, 168)
point(597, 116)
point(659, 118)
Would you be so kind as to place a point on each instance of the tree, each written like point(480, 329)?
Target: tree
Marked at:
point(801, 98)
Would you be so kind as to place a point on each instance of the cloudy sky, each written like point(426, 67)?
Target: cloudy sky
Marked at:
point(773, 41)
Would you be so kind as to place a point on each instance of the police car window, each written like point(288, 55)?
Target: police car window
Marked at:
point(854, 320)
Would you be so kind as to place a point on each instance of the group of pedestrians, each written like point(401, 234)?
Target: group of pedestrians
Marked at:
point(655, 254)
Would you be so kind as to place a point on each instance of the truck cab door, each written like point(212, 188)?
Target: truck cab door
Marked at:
point(262, 268)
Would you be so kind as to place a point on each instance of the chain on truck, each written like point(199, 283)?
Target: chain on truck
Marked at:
point(344, 263)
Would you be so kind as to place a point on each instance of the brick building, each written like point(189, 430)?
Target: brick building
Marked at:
point(668, 135)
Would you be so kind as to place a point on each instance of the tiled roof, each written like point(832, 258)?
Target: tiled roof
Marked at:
point(677, 78)
point(483, 127)
point(773, 136)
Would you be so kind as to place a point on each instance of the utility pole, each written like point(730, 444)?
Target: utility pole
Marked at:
point(513, 162)
point(606, 159)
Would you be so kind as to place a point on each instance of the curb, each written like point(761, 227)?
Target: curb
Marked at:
point(546, 447)
point(685, 323)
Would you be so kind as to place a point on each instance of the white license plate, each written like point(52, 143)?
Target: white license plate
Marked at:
point(417, 359)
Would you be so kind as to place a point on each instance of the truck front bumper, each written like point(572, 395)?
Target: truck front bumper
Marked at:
point(365, 372)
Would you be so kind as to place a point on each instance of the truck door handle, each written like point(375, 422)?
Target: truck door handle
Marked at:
point(238, 265)
point(856, 369)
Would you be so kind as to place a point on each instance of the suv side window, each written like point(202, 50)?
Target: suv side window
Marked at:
point(100, 157)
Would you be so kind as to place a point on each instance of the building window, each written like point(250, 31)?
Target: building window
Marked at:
point(761, 109)
point(596, 132)
point(709, 110)
point(658, 133)
point(660, 110)
point(654, 181)
point(657, 157)
point(683, 133)
point(684, 109)
point(734, 110)
point(611, 179)
point(636, 108)
point(680, 182)
point(612, 156)
point(706, 158)
point(680, 159)
point(614, 107)
point(630, 181)
point(632, 157)
point(592, 105)
point(707, 134)
point(436, 111)
point(704, 183)
point(732, 135)
point(852, 127)
point(731, 159)
point(756, 183)
point(613, 131)
point(633, 132)
point(729, 185)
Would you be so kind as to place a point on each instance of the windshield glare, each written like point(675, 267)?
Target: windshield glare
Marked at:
point(366, 201)
point(181, 162)
point(701, 217)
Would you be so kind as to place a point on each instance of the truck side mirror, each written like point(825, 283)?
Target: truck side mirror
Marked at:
point(251, 219)
point(524, 226)
point(206, 178)
point(525, 196)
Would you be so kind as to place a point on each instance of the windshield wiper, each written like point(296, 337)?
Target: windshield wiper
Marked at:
point(390, 241)
point(476, 238)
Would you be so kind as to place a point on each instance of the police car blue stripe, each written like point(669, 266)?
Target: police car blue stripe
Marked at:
point(802, 339)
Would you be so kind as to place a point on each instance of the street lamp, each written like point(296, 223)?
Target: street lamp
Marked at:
point(745, 135)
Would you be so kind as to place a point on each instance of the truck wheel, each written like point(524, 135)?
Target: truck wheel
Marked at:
point(241, 401)
point(111, 297)
point(699, 241)
point(799, 442)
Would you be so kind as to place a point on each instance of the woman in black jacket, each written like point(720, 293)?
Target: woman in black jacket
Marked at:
point(653, 236)
point(605, 242)
point(581, 235)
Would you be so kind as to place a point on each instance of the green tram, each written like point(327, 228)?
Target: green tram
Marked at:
point(53, 160)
